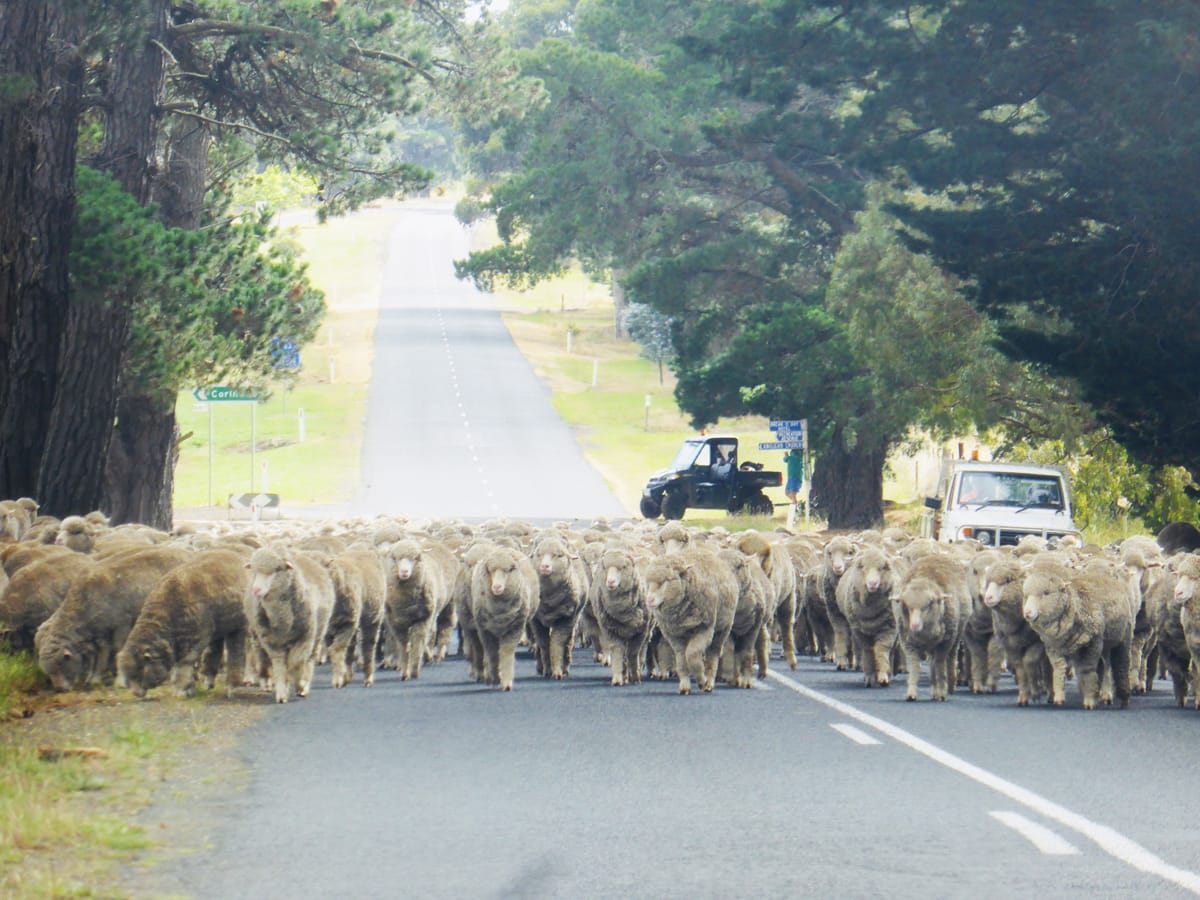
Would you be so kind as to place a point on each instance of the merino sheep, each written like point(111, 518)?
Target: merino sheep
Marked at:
point(1143, 560)
point(836, 558)
point(692, 596)
point(287, 605)
point(673, 537)
point(77, 533)
point(1086, 621)
point(420, 581)
point(933, 605)
point(15, 556)
point(781, 612)
point(1022, 645)
point(754, 599)
point(864, 597)
point(79, 643)
point(194, 616)
point(562, 593)
point(1181, 636)
point(34, 593)
point(359, 588)
point(814, 633)
point(617, 599)
point(504, 594)
point(983, 648)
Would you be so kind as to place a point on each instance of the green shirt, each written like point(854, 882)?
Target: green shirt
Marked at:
point(795, 465)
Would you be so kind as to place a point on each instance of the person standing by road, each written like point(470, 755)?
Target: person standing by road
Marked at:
point(795, 474)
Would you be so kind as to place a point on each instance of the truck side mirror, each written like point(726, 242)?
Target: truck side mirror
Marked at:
point(933, 503)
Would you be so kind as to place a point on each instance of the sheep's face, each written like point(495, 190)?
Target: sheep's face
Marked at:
point(876, 569)
point(838, 554)
point(145, 668)
point(268, 571)
point(552, 558)
point(1044, 601)
point(664, 586)
point(1185, 586)
point(501, 573)
point(922, 606)
point(64, 666)
point(618, 571)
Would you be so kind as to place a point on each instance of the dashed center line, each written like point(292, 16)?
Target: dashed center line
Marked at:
point(855, 734)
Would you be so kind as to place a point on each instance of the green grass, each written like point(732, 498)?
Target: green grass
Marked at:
point(19, 675)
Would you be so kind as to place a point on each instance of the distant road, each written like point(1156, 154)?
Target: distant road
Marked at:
point(458, 425)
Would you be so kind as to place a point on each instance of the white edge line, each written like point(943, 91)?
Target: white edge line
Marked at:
point(1047, 841)
point(1108, 839)
point(855, 734)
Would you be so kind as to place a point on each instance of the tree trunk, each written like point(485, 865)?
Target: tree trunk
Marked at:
point(619, 303)
point(41, 76)
point(140, 477)
point(847, 485)
point(98, 329)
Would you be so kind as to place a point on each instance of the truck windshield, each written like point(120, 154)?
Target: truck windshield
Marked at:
point(1010, 488)
point(686, 457)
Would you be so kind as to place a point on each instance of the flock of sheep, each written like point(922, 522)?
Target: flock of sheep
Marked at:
point(266, 604)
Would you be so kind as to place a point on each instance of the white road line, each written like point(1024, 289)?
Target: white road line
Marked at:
point(1040, 836)
point(855, 734)
point(1108, 839)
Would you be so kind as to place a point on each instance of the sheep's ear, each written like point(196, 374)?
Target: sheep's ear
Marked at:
point(247, 565)
point(289, 565)
point(146, 655)
point(67, 654)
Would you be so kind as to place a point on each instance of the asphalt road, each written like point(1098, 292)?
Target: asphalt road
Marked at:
point(809, 785)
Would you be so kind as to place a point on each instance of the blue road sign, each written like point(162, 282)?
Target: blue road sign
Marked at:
point(781, 445)
point(787, 424)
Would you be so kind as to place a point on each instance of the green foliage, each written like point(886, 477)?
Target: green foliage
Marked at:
point(19, 675)
point(275, 187)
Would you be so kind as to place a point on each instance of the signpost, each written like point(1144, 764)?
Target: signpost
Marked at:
point(224, 394)
point(791, 434)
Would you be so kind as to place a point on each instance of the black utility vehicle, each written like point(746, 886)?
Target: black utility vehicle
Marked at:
point(705, 474)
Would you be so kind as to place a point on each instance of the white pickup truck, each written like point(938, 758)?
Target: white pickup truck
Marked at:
point(997, 504)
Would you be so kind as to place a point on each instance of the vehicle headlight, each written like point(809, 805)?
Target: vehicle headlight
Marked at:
point(984, 537)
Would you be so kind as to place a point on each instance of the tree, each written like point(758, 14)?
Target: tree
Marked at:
point(1054, 149)
point(652, 330)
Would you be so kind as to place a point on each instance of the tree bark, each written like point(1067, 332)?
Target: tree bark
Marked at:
point(140, 476)
point(847, 485)
point(41, 76)
point(97, 336)
point(619, 304)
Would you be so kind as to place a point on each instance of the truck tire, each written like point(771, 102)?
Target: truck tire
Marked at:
point(673, 506)
point(759, 505)
point(650, 509)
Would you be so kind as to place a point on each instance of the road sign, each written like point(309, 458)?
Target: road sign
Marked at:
point(782, 435)
point(254, 501)
point(285, 353)
point(781, 445)
point(220, 393)
point(787, 424)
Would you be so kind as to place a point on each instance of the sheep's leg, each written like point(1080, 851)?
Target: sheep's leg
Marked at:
point(616, 650)
point(941, 673)
point(341, 656)
point(995, 658)
point(541, 640)
point(1119, 667)
point(559, 652)
point(507, 664)
point(417, 640)
point(881, 656)
point(762, 644)
point(841, 646)
point(635, 658)
point(1058, 679)
point(785, 616)
point(235, 661)
point(913, 660)
point(491, 658)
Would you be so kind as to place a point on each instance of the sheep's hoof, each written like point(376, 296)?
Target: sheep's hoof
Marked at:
point(910, 697)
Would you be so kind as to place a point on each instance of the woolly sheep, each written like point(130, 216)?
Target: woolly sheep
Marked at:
point(359, 587)
point(76, 533)
point(504, 588)
point(836, 558)
point(617, 599)
point(983, 649)
point(864, 597)
point(1180, 630)
point(1085, 619)
point(194, 616)
point(420, 580)
point(673, 537)
point(562, 593)
point(1022, 645)
point(754, 598)
point(781, 611)
point(692, 596)
point(933, 605)
point(288, 603)
point(34, 593)
point(1141, 557)
point(79, 643)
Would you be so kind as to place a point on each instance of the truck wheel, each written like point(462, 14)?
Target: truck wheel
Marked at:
point(673, 506)
point(650, 509)
point(759, 505)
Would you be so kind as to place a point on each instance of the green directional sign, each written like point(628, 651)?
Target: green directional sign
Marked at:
point(220, 393)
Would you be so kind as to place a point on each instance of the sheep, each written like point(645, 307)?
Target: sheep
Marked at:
point(933, 605)
point(420, 580)
point(34, 593)
point(1143, 560)
point(562, 593)
point(288, 604)
point(193, 617)
point(781, 612)
point(359, 587)
point(1085, 620)
point(673, 537)
point(1188, 599)
point(838, 553)
point(814, 633)
point(1177, 536)
point(76, 533)
point(984, 649)
point(504, 594)
point(15, 520)
point(1022, 645)
point(1168, 596)
point(472, 647)
point(692, 596)
point(79, 643)
point(14, 556)
point(864, 597)
point(754, 598)
point(617, 600)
